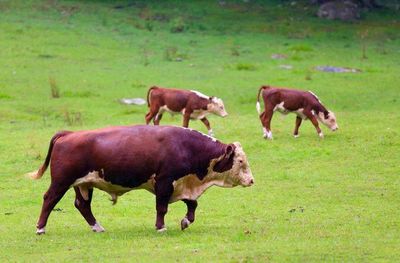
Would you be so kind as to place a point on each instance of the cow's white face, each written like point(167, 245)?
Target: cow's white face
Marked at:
point(329, 121)
point(239, 174)
point(217, 107)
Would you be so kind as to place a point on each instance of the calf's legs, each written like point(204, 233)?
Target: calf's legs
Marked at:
point(157, 118)
point(151, 114)
point(314, 122)
point(186, 118)
point(265, 118)
point(189, 218)
point(296, 128)
point(207, 124)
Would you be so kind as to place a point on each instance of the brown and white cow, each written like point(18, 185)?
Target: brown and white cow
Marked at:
point(174, 163)
point(191, 104)
point(304, 104)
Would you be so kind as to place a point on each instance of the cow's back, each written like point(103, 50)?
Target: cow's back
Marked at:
point(174, 99)
point(292, 99)
point(130, 155)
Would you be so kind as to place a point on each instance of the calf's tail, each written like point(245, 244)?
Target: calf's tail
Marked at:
point(148, 95)
point(258, 107)
point(39, 173)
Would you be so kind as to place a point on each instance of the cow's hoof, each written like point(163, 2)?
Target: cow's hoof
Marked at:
point(97, 228)
point(40, 231)
point(185, 223)
point(211, 133)
point(321, 135)
point(296, 136)
point(162, 230)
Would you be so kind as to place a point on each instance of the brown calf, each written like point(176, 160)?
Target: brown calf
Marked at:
point(173, 163)
point(191, 104)
point(304, 104)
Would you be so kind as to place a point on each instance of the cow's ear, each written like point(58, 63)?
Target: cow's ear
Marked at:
point(229, 151)
point(326, 114)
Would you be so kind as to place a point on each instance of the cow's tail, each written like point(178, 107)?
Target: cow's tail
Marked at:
point(258, 107)
point(148, 95)
point(39, 173)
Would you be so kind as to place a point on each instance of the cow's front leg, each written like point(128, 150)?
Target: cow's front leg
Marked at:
point(207, 123)
point(189, 218)
point(163, 190)
point(297, 125)
point(314, 122)
point(186, 118)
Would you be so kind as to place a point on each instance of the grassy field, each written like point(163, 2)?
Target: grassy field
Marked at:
point(335, 199)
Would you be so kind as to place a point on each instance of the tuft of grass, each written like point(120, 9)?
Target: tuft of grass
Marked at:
point(72, 118)
point(55, 91)
point(245, 66)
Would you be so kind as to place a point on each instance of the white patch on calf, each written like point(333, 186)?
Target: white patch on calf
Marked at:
point(267, 133)
point(165, 109)
point(201, 95)
point(315, 96)
point(199, 114)
point(300, 113)
point(217, 107)
point(279, 107)
point(329, 122)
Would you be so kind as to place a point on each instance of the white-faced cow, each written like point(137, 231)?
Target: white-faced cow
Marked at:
point(304, 104)
point(173, 163)
point(191, 104)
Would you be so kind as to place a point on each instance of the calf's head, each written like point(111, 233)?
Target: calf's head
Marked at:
point(233, 168)
point(216, 106)
point(328, 118)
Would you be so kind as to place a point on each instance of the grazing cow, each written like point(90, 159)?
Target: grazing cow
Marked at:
point(191, 104)
point(304, 104)
point(173, 163)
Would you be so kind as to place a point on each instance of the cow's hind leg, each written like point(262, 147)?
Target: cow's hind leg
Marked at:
point(50, 199)
point(189, 218)
point(265, 118)
point(151, 114)
point(157, 119)
point(82, 203)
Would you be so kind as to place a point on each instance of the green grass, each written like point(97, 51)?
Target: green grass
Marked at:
point(335, 199)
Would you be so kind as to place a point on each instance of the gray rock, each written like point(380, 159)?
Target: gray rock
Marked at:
point(133, 101)
point(343, 10)
point(336, 69)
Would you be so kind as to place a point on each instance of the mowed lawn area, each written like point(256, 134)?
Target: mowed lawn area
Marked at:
point(65, 64)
